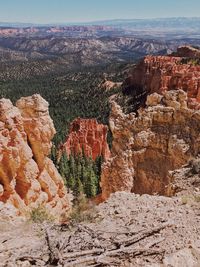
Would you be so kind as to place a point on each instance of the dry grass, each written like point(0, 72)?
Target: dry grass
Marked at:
point(40, 215)
point(190, 199)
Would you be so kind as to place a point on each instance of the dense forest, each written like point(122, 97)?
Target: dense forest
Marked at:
point(71, 95)
point(80, 173)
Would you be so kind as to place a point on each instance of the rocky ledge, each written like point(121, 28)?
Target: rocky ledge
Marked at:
point(127, 230)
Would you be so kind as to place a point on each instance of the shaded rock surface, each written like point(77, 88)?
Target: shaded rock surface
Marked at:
point(28, 178)
point(88, 136)
point(161, 138)
point(128, 231)
point(187, 51)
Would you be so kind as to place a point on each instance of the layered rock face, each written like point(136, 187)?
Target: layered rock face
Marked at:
point(161, 138)
point(28, 178)
point(162, 73)
point(88, 136)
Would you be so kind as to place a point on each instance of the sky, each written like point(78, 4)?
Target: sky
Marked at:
point(63, 11)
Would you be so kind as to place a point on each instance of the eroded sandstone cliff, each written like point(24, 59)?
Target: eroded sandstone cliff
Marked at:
point(28, 178)
point(89, 136)
point(162, 73)
point(146, 147)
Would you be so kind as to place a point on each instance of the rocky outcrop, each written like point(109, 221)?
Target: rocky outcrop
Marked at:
point(186, 180)
point(88, 136)
point(161, 138)
point(188, 51)
point(109, 85)
point(162, 73)
point(28, 178)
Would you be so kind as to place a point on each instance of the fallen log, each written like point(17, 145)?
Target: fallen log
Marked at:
point(122, 253)
point(134, 239)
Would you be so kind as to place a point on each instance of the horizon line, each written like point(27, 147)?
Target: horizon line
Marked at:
point(95, 21)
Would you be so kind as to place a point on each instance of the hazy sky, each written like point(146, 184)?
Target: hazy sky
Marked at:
point(49, 11)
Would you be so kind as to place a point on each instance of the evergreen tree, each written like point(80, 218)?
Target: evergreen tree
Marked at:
point(97, 168)
point(90, 180)
point(53, 155)
point(71, 183)
point(78, 188)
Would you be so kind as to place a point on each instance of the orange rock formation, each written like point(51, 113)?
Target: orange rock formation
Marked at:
point(146, 147)
point(162, 73)
point(28, 178)
point(87, 135)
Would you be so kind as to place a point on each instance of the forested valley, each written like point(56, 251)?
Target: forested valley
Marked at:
point(70, 95)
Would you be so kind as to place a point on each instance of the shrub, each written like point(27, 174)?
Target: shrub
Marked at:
point(83, 210)
point(40, 214)
point(195, 166)
point(190, 199)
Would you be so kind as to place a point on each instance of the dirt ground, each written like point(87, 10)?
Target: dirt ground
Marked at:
point(126, 230)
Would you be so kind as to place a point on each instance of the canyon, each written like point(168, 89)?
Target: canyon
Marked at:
point(28, 178)
point(149, 181)
point(161, 137)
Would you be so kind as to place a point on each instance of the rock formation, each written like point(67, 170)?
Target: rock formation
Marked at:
point(109, 85)
point(162, 73)
point(187, 51)
point(88, 136)
point(161, 138)
point(28, 178)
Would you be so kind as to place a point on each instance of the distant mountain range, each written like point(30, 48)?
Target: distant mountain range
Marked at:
point(171, 23)
point(17, 24)
point(177, 22)
point(26, 49)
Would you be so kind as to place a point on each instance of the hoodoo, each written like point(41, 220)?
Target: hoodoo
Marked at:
point(89, 136)
point(28, 178)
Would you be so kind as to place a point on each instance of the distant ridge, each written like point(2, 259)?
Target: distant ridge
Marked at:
point(174, 22)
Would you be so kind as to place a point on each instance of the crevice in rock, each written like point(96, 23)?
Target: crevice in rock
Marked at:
point(30, 145)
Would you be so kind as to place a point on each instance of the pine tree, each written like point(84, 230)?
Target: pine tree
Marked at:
point(98, 163)
point(78, 188)
point(71, 183)
point(72, 165)
point(53, 155)
point(63, 167)
point(90, 180)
